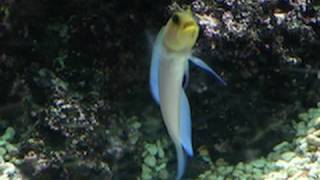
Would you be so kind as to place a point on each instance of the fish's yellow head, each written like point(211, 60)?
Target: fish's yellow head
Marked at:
point(181, 31)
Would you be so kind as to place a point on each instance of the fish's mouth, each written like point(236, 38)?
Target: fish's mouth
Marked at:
point(189, 27)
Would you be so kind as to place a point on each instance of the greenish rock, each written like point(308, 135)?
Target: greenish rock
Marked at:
point(219, 178)
point(136, 125)
point(146, 176)
point(221, 169)
point(240, 166)
point(150, 161)
point(146, 172)
point(303, 116)
point(11, 149)
point(152, 149)
point(2, 142)
point(237, 173)
point(287, 156)
point(161, 166)
point(7, 157)
point(161, 153)
point(292, 170)
point(248, 168)
point(260, 163)
point(257, 172)
point(301, 129)
point(8, 134)
point(144, 153)
point(281, 147)
point(134, 138)
point(155, 162)
point(16, 161)
point(282, 164)
point(3, 151)
point(163, 174)
point(269, 167)
point(243, 178)
point(212, 177)
point(228, 170)
point(221, 162)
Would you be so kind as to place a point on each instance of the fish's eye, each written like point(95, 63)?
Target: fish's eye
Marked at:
point(176, 19)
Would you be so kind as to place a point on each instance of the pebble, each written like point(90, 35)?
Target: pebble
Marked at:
point(150, 161)
point(287, 156)
point(282, 164)
point(298, 159)
point(260, 163)
point(282, 146)
point(3, 151)
point(152, 149)
point(314, 173)
point(8, 134)
point(317, 122)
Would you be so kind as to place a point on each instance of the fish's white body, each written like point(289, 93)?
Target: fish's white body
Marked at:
point(171, 54)
point(171, 71)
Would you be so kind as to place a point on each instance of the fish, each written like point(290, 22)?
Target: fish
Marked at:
point(169, 76)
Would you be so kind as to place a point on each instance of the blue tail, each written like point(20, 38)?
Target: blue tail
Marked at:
point(184, 147)
point(185, 124)
point(181, 156)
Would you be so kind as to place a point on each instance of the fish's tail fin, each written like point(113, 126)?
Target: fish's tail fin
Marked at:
point(185, 124)
point(182, 158)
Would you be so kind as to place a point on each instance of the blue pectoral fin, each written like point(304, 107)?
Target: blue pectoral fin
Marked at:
point(198, 62)
point(154, 70)
point(185, 124)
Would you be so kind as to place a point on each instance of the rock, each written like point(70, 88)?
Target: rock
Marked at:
point(281, 147)
point(260, 163)
point(8, 171)
point(9, 134)
point(3, 151)
point(287, 156)
point(152, 149)
point(282, 164)
point(150, 161)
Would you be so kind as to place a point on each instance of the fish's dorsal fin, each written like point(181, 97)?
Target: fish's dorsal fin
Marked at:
point(154, 71)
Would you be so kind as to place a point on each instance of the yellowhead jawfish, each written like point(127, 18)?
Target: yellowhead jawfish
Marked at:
point(171, 54)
